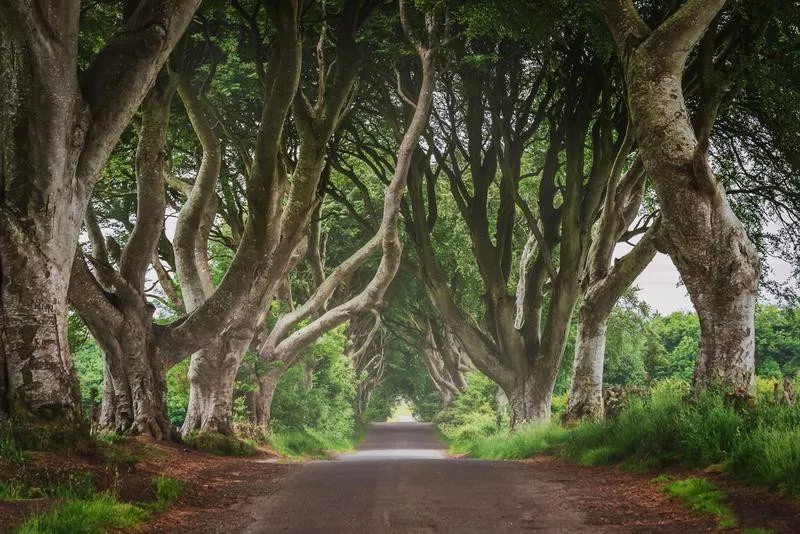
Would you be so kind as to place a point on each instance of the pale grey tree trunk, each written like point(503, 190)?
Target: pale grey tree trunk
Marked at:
point(706, 241)
point(212, 373)
point(262, 400)
point(586, 387)
point(527, 402)
point(56, 133)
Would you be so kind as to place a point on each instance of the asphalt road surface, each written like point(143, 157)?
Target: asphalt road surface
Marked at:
point(400, 480)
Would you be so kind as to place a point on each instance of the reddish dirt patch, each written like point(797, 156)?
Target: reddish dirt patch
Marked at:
point(210, 483)
point(629, 499)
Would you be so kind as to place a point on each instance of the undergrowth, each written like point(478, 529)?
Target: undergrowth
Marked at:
point(702, 496)
point(758, 445)
point(219, 444)
point(92, 516)
point(167, 491)
point(311, 444)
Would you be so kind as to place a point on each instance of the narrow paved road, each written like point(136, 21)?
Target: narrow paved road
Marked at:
point(400, 480)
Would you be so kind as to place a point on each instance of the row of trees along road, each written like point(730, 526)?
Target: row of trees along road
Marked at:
point(207, 181)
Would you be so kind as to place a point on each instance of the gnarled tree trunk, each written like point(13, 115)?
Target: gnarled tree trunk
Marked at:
point(56, 132)
point(708, 244)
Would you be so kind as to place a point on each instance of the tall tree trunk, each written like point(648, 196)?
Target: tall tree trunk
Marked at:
point(267, 383)
point(586, 387)
point(706, 241)
point(56, 133)
point(41, 127)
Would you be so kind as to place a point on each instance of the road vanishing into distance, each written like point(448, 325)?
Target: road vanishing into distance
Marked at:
point(400, 480)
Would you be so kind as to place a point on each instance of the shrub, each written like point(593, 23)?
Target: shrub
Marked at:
point(473, 414)
point(167, 490)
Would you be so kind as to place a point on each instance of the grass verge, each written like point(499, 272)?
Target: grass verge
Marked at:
point(702, 496)
point(219, 444)
point(758, 445)
point(92, 516)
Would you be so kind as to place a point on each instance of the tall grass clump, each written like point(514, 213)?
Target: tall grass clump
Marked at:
point(309, 443)
point(94, 516)
point(522, 442)
point(167, 490)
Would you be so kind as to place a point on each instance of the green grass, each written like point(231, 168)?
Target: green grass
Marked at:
point(759, 445)
point(309, 444)
point(702, 496)
point(219, 444)
point(9, 449)
point(92, 516)
point(523, 442)
point(70, 485)
point(167, 489)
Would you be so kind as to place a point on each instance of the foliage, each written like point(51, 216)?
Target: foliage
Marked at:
point(63, 485)
point(310, 443)
point(167, 490)
point(703, 496)
point(93, 516)
point(474, 413)
point(178, 392)
point(316, 396)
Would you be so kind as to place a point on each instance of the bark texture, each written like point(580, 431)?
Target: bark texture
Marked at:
point(56, 132)
point(706, 241)
point(605, 282)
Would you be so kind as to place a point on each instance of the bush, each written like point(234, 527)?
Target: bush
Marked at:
point(473, 414)
point(93, 516)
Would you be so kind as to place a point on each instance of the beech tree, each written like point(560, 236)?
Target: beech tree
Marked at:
point(58, 127)
point(282, 344)
point(707, 242)
point(113, 302)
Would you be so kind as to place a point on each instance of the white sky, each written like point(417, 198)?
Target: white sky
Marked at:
point(659, 283)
